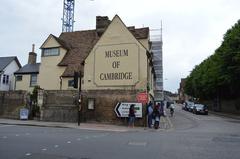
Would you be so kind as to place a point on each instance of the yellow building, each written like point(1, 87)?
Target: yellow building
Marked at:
point(112, 56)
point(115, 62)
point(26, 78)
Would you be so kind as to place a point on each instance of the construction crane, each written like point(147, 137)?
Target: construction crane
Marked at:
point(68, 15)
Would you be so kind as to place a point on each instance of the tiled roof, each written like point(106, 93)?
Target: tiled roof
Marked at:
point(4, 61)
point(29, 69)
point(80, 43)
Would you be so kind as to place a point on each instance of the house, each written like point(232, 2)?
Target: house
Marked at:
point(8, 65)
point(27, 76)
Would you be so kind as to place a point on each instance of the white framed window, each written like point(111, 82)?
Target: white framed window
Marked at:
point(5, 79)
point(33, 80)
point(50, 52)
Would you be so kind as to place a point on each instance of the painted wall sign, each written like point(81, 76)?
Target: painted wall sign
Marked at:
point(142, 97)
point(122, 109)
point(116, 65)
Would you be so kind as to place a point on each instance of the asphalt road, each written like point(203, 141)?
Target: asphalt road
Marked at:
point(191, 137)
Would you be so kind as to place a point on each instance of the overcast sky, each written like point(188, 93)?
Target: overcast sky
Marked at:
point(192, 29)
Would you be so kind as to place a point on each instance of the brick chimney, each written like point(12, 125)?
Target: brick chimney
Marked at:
point(32, 56)
point(102, 23)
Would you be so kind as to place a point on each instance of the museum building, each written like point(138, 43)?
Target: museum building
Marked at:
point(115, 62)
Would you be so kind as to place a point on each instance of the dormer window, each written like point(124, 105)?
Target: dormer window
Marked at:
point(50, 52)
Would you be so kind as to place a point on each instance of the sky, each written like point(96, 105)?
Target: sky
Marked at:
point(192, 29)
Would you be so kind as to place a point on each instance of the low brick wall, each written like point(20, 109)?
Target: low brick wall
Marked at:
point(11, 102)
point(59, 106)
point(105, 103)
point(227, 106)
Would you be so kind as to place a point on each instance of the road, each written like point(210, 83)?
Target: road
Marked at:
point(191, 137)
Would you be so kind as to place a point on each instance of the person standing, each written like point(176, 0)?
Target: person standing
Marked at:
point(131, 116)
point(149, 114)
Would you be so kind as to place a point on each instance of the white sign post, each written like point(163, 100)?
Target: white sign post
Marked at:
point(122, 109)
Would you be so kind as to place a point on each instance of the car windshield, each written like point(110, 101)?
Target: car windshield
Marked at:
point(199, 105)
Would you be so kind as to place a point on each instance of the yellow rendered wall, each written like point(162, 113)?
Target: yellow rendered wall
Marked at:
point(116, 37)
point(24, 84)
point(49, 72)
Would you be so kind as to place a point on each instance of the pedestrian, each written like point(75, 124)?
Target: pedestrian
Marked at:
point(156, 116)
point(131, 116)
point(149, 114)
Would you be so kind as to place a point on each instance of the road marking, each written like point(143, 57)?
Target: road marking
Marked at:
point(69, 142)
point(137, 143)
point(28, 154)
point(44, 149)
point(6, 126)
point(56, 146)
point(17, 134)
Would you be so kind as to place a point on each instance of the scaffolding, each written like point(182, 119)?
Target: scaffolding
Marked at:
point(68, 16)
point(156, 49)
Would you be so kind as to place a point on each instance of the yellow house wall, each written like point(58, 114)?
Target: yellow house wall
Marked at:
point(24, 84)
point(116, 37)
point(145, 43)
point(49, 72)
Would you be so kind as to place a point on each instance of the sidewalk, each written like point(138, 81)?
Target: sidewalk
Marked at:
point(83, 126)
point(228, 115)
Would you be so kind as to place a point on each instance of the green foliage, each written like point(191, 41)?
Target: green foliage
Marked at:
point(219, 74)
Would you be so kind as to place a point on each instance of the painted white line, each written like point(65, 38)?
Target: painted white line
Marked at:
point(6, 126)
point(28, 154)
point(56, 146)
point(17, 134)
point(69, 142)
point(44, 149)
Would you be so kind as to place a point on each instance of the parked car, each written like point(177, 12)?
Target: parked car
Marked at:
point(189, 105)
point(200, 109)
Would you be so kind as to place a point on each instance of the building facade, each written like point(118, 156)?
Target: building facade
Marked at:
point(8, 65)
point(26, 78)
point(115, 62)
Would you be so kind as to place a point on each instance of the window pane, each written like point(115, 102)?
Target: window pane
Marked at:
point(70, 83)
point(33, 81)
point(19, 78)
point(51, 52)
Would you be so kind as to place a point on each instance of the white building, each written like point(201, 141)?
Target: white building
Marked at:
point(8, 65)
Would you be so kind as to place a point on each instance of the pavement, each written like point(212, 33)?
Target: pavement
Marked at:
point(165, 124)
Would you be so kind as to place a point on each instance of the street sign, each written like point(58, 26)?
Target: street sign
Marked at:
point(142, 97)
point(122, 109)
point(24, 113)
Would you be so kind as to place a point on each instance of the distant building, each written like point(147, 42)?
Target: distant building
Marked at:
point(8, 65)
point(27, 76)
point(182, 95)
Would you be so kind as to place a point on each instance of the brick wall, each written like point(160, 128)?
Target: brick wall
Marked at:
point(11, 102)
point(105, 102)
point(59, 106)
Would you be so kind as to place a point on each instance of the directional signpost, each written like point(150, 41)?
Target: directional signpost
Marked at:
point(122, 109)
